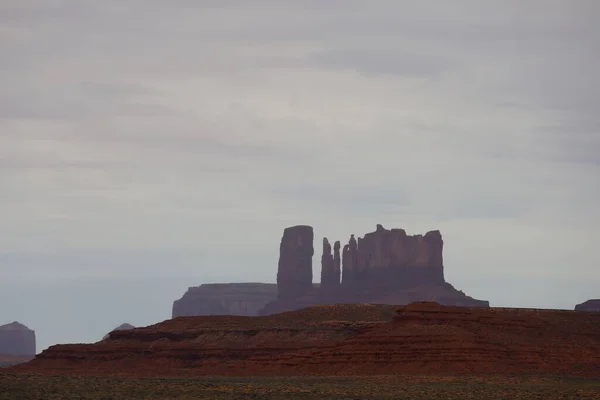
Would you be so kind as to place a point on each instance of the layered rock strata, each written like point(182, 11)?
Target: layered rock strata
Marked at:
point(353, 339)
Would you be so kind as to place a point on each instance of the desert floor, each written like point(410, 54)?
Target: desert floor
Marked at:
point(61, 387)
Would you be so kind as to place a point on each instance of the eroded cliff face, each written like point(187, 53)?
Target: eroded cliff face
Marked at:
point(294, 270)
point(17, 340)
point(225, 299)
point(391, 259)
point(384, 267)
point(590, 305)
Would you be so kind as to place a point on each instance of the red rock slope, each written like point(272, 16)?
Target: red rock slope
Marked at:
point(345, 340)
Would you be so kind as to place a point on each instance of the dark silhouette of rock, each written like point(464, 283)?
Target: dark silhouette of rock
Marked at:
point(17, 340)
point(590, 305)
point(391, 260)
point(350, 339)
point(336, 264)
point(121, 327)
point(225, 299)
point(349, 261)
point(294, 272)
point(329, 277)
point(384, 267)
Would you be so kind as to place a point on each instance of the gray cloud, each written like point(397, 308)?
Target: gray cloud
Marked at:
point(151, 138)
point(383, 61)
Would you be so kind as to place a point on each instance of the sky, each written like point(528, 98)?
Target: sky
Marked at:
point(147, 146)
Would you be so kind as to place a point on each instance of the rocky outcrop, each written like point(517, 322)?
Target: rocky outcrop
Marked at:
point(225, 299)
point(121, 327)
point(330, 266)
point(590, 305)
point(17, 342)
point(336, 265)
point(391, 257)
point(294, 271)
point(384, 267)
point(354, 339)
point(349, 261)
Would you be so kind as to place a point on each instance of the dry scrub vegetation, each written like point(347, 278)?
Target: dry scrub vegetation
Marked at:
point(36, 387)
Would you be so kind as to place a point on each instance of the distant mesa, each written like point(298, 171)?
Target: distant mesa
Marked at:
point(384, 267)
point(225, 299)
point(17, 344)
point(121, 327)
point(590, 305)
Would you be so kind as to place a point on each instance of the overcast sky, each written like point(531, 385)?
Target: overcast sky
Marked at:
point(151, 145)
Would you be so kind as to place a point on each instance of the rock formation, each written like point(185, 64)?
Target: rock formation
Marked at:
point(294, 271)
point(351, 340)
point(349, 260)
point(385, 267)
point(17, 343)
point(391, 257)
point(121, 327)
point(590, 305)
point(330, 266)
point(225, 299)
point(336, 264)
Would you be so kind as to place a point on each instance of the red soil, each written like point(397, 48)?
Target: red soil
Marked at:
point(421, 338)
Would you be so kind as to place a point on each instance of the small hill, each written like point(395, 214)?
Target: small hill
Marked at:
point(121, 327)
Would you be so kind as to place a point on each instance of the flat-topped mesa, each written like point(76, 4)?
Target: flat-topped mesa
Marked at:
point(294, 271)
point(17, 340)
point(393, 258)
point(590, 305)
point(225, 299)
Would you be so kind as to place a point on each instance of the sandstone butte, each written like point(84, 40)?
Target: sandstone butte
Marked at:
point(385, 267)
point(352, 339)
point(17, 343)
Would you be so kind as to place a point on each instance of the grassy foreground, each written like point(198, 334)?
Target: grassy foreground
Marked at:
point(33, 387)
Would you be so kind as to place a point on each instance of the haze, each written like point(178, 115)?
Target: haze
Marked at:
point(147, 146)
